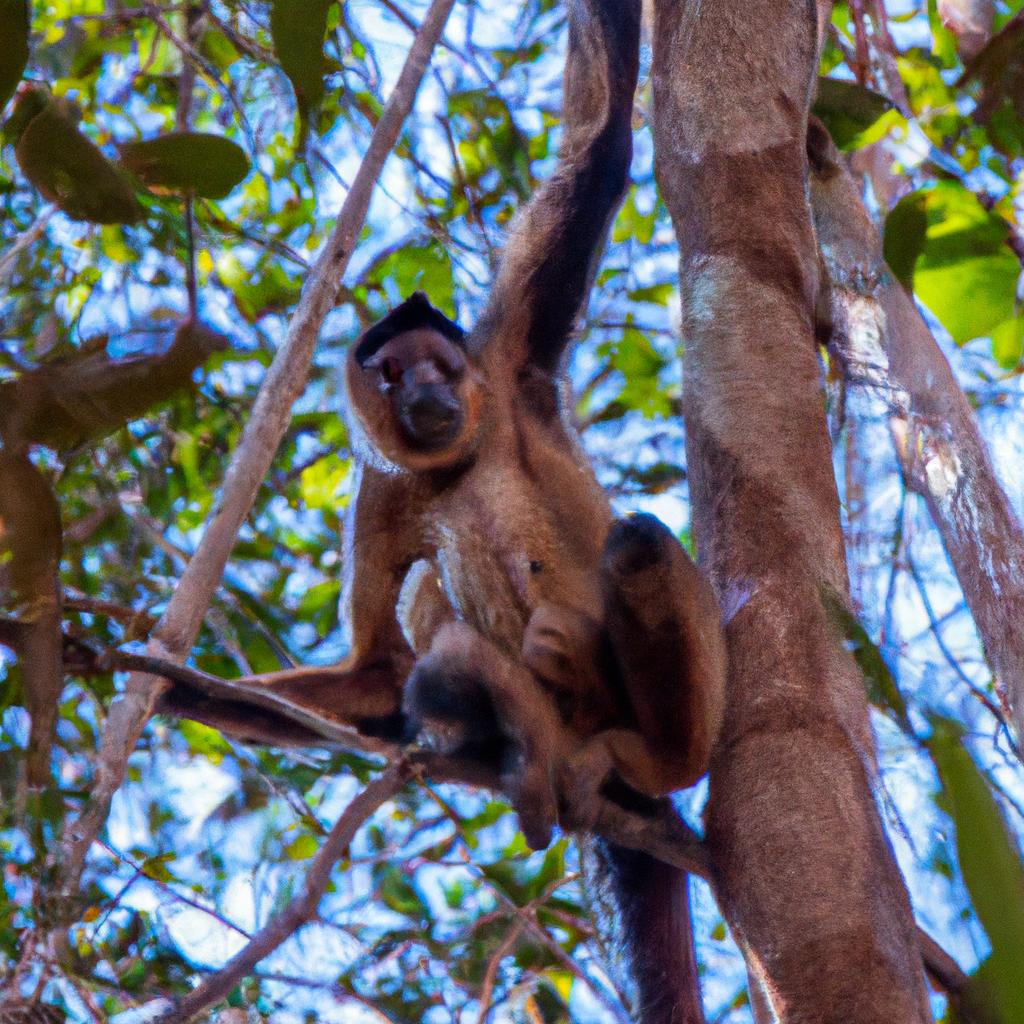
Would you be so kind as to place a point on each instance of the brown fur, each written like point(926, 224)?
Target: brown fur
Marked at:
point(616, 626)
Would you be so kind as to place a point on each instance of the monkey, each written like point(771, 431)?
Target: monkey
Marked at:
point(580, 651)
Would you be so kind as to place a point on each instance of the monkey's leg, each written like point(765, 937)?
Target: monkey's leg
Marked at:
point(470, 697)
point(665, 629)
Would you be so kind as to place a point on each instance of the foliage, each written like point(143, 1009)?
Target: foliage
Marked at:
point(439, 897)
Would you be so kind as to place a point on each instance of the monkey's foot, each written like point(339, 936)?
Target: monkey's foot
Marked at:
point(637, 543)
point(581, 779)
point(532, 793)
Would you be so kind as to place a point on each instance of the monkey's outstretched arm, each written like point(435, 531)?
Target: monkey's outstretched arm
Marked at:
point(548, 265)
point(363, 692)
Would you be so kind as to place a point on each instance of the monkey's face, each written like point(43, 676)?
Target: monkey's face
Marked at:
point(417, 398)
point(419, 373)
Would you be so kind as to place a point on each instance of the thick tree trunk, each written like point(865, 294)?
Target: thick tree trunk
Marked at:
point(802, 866)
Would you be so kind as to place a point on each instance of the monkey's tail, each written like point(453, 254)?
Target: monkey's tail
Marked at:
point(648, 927)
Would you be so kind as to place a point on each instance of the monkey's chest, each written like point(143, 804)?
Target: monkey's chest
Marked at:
point(504, 554)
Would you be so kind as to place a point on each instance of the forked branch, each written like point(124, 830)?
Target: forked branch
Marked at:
point(303, 906)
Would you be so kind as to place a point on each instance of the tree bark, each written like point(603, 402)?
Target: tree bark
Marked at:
point(883, 342)
point(802, 867)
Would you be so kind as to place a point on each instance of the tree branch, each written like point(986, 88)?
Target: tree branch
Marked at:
point(302, 908)
point(23, 241)
point(285, 379)
point(663, 835)
point(882, 341)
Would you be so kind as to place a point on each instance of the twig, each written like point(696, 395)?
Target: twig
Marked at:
point(302, 908)
point(139, 873)
point(527, 916)
point(135, 622)
point(283, 383)
point(23, 241)
point(954, 663)
point(487, 990)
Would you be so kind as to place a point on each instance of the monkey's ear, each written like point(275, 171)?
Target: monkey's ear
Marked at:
point(415, 312)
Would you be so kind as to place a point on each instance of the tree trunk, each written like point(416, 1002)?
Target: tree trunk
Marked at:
point(803, 870)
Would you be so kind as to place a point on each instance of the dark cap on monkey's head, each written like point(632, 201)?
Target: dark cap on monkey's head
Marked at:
point(412, 314)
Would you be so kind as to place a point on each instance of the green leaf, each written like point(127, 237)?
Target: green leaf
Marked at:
point(631, 223)
point(883, 689)
point(426, 268)
point(906, 229)
point(203, 740)
point(963, 272)
point(847, 109)
point(990, 864)
point(297, 28)
point(157, 869)
point(1008, 343)
point(658, 294)
point(67, 168)
point(195, 163)
point(641, 365)
point(14, 24)
point(398, 893)
point(301, 847)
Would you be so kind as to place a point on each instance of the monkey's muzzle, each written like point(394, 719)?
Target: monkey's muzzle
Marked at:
point(431, 416)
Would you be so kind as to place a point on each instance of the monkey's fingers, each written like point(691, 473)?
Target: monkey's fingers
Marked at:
point(561, 647)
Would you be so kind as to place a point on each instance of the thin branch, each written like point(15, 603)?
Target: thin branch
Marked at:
point(23, 241)
point(164, 887)
point(951, 659)
point(135, 622)
point(302, 908)
point(250, 462)
point(505, 946)
point(527, 915)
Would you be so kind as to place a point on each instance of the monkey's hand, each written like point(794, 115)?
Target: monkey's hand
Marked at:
point(565, 649)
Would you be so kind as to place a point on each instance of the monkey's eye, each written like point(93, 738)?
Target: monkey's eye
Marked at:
point(390, 370)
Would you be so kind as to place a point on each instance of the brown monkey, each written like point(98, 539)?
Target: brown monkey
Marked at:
point(557, 626)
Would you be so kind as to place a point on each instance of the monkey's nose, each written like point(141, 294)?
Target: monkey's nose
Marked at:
point(432, 415)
